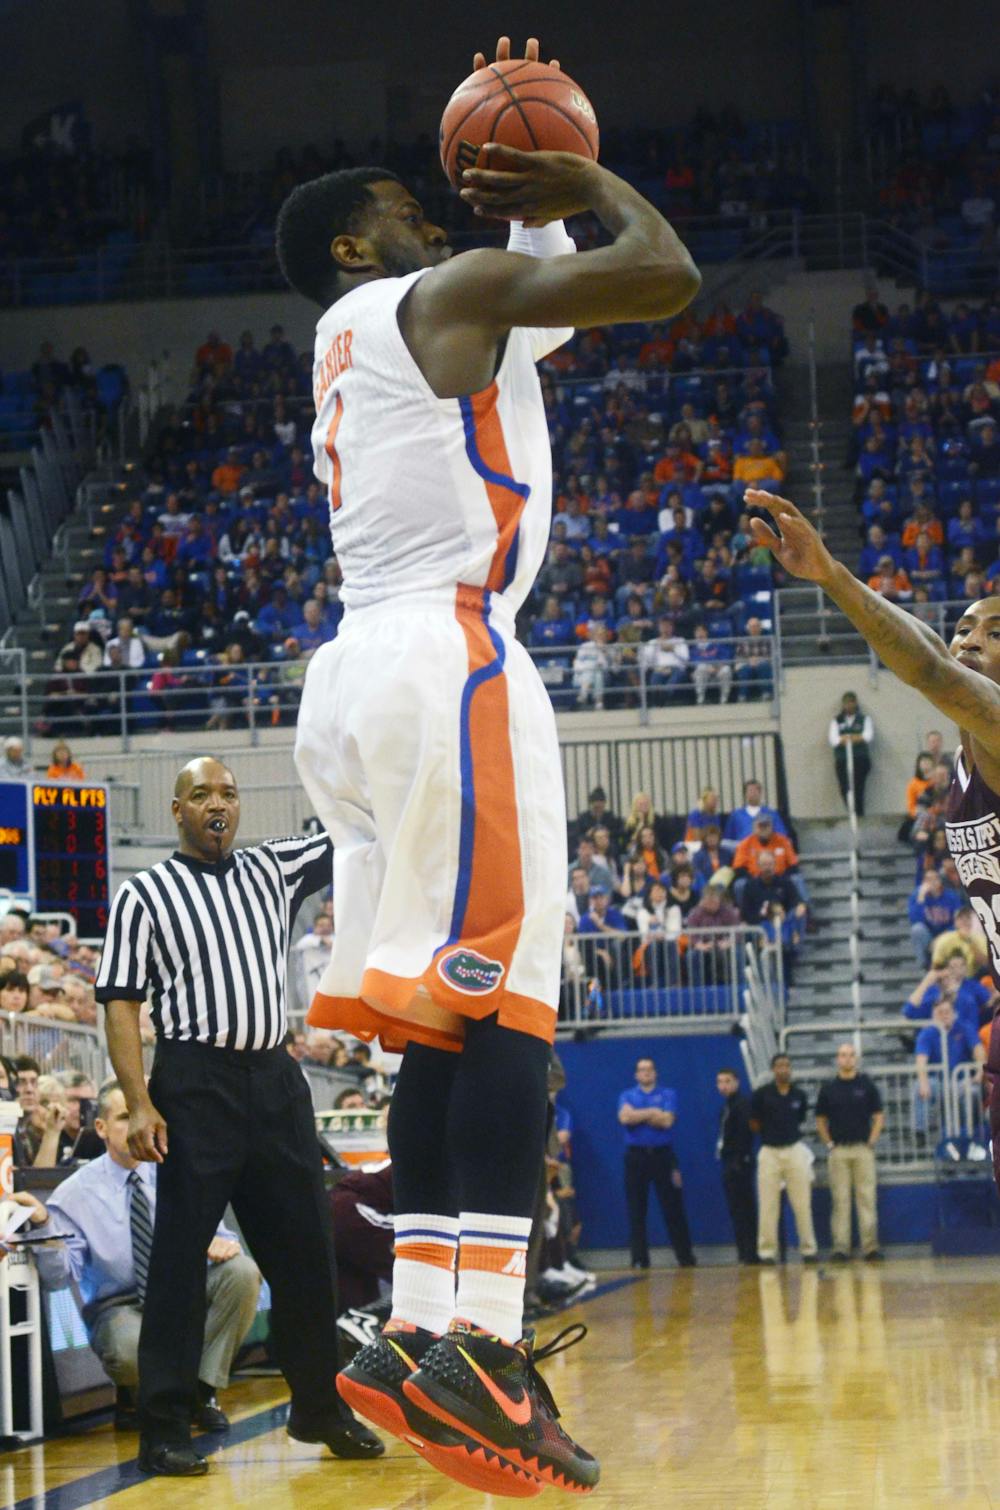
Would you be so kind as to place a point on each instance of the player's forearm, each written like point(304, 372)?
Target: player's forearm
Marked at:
point(125, 1051)
point(644, 240)
point(908, 647)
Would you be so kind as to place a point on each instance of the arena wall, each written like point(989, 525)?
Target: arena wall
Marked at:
point(599, 1070)
point(901, 716)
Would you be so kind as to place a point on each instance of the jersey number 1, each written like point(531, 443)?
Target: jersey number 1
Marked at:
point(331, 450)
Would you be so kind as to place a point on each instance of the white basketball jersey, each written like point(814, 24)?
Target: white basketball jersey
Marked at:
point(426, 492)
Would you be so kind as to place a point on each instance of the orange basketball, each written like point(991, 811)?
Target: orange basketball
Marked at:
point(519, 104)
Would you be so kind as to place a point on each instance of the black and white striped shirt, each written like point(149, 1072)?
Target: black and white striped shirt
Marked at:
point(207, 944)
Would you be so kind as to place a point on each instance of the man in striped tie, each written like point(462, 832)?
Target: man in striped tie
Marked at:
point(227, 1115)
point(104, 1213)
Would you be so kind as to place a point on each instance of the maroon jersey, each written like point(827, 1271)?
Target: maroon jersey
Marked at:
point(972, 820)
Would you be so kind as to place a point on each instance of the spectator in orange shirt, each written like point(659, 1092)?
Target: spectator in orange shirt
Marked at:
point(757, 466)
point(678, 466)
point(890, 583)
point(658, 351)
point(922, 521)
point(227, 475)
point(721, 322)
point(213, 353)
point(718, 458)
point(62, 766)
point(919, 781)
point(746, 860)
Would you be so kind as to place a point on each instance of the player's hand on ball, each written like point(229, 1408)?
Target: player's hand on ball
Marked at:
point(791, 539)
point(535, 187)
point(503, 53)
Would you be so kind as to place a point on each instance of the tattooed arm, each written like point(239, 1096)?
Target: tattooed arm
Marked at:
point(908, 647)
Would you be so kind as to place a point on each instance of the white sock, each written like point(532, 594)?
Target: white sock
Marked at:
point(423, 1271)
point(492, 1259)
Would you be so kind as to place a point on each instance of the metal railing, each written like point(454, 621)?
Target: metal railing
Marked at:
point(254, 696)
point(913, 1136)
point(807, 604)
point(854, 862)
point(154, 270)
point(618, 982)
point(38, 506)
point(844, 239)
point(55, 1045)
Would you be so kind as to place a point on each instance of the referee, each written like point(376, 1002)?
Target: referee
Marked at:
point(227, 1114)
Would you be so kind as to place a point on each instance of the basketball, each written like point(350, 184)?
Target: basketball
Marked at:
point(520, 104)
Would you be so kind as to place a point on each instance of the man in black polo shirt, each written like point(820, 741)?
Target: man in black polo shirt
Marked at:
point(777, 1112)
point(849, 1120)
point(735, 1151)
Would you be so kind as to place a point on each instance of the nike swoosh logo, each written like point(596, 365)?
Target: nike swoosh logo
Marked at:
point(519, 1412)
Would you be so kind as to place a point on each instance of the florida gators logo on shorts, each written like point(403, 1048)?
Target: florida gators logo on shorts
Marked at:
point(471, 973)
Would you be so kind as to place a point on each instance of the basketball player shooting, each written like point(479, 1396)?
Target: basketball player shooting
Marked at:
point(962, 680)
point(427, 744)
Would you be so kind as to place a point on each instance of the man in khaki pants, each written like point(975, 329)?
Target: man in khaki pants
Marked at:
point(777, 1112)
point(849, 1120)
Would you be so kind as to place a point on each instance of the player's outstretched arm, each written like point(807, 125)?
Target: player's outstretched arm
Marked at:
point(646, 274)
point(908, 647)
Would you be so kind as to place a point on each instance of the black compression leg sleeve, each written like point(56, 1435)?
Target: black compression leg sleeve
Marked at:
point(496, 1119)
point(422, 1176)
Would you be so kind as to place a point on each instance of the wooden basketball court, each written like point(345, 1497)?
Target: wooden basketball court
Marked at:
point(849, 1388)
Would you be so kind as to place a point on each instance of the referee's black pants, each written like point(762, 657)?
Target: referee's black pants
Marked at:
point(240, 1128)
point(656, 1167)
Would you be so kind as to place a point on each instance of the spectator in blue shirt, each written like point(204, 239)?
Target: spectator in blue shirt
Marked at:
point(310, 631)
point(739, 824)
point(553, 627)
point(963, 1046)
point(950, 982)
point(711, 665)
point(92, 1213)
point(879, 544)
point(609, 955)
point(965, 528)
point(932, 910)
point(647, 1113)
point(277, 616)
point(197, 548)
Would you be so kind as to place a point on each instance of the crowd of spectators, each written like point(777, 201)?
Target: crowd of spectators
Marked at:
point(926, 450)
point(923, 826)
point(61, 200)
point(937, 170)
point(717, 165)
point(651, 584)
point(653, 899)
point(31, 399)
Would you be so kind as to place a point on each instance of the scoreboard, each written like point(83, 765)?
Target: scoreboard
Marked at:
point(54, 848)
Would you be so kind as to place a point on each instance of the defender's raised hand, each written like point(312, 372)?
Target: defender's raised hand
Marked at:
point(791, 539)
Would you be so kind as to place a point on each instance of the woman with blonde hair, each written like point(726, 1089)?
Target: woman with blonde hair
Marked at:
point(705, 813)
point(642, 815)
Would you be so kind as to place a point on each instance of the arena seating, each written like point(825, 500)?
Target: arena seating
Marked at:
point(655, 434)
point(936, 166)
point(926, 419)
point(72, 227)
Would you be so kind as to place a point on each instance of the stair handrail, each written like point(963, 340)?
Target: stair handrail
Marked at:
point(854, 865)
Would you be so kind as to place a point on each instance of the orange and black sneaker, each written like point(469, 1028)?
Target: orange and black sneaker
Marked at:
point(491, 1391)
point(372, 1385)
